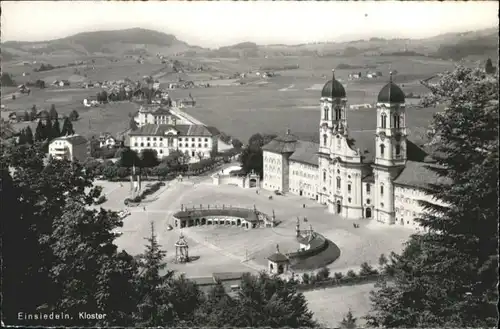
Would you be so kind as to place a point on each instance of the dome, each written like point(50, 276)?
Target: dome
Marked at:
point(391, 93)
point(333, 89)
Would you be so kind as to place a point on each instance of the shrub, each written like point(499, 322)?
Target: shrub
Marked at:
point(338, 275)
point(323, 274)
point(351, 274)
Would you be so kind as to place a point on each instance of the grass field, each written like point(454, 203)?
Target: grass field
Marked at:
point(290, 100)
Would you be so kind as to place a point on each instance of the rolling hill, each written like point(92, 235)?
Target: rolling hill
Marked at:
point(143, 42)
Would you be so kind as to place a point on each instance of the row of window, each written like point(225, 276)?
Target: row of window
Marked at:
point(397, 121)
point(397, 149)
point(338, 113)
point(193, 139)
point(169, 144)
point(193, 154)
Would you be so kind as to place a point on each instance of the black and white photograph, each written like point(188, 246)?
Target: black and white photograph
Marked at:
point(277, 164)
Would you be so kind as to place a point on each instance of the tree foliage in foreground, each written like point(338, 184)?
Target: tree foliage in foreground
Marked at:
point(447, 277)
point(251, 158)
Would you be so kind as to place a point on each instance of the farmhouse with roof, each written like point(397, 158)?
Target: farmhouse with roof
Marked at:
point(380, 175)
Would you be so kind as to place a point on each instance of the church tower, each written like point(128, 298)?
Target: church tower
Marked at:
point(390, 146)
point(333, 120)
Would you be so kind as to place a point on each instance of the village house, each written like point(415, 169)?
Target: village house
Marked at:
point(72, 147)
point(197, 141)
point(106, 140)
point(355, 75)
point(153, 114)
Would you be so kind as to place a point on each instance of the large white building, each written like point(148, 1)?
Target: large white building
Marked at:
point(197, 141)
point(369, 174)
point(154, 114)
point(72, 147)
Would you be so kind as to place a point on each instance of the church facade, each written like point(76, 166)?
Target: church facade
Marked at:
point(378, 175)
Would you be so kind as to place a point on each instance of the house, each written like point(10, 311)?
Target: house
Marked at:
point(106, 140)
point(187, 102)
point(15, 117)
point(356, 75)
point(173, 85)
point(155, 114)
point(71, 147)
point(63, 83)
point(196, 141)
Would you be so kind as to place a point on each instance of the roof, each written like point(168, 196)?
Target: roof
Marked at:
point(419, 175)
point(391, 93)
point(278, 257)
point(246, 214)
point(306, 152)
point(183, 130)
point(161, 110)
point(73, 139)
point(213, 130)
point(203, 281)
point(282, 144)
point(333, 88)
point(368, 178)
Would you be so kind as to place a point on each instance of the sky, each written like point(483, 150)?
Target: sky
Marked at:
point(215, 24)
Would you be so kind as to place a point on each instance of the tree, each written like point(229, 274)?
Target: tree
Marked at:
point(447, 276)
point(237, 144)
point(73, 116)
point(132, 124)
point(26, 116)
point(39, 132)
point(185, 297)
point(47, 130)
point(251, 158)
point(53, 115)
point(56, 131)
point(349, 321)
point(129, 158)
point(28, 135)
point(7, 80)
point(489, 68)
point(67, 128)
point(154, 308)
point(149, 158)
point(22, 138)
point(33, 113)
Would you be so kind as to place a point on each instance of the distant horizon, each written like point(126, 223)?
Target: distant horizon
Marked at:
point(367, 38)
point(220, 24)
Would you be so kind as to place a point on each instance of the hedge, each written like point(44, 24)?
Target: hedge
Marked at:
point(333, 282)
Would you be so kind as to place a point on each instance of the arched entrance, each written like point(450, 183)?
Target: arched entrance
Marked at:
point(203, 221)
point(238, 222)
point(339, 207)
point(368, 213)
point(301, 192)
point(197, 222)
point(253, 182)
point(280, 269)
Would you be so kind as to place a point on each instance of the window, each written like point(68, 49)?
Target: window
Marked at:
point(161, 151)
point(325, 111)
point(148, 144)
point(170, 142)
point(396, 120)
point(180, 139)
point(192, 145)
point(398, 150)
point(383, 121)
point(324, 176)
point(206, 139)
point(338, 114)
point(349, 188)
point(193, 139)
point(368, 188)
point(206, 145)
point(199, 145)
point(180, 144)
point(154, 138)
point(199, 139)
point(161, 139)
point(338, 183)
point(192, 153)
point(135, 144)
point(148, 139)
point(325, 140)
point(368, 201)
point(142, 144)
point(382, 148)
point(349, 200)
point(382, 190)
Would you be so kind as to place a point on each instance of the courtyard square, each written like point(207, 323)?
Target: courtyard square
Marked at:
point(235, 249)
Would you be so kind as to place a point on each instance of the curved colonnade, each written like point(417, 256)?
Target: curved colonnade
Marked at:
point(242, 217)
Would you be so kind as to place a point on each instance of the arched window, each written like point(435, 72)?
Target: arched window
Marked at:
point(383, 121)
point(398, 149)
point(381, 190)
point(326, 110)
point(338, 183)
point(324, 176)
point(325, 140)
point(338, 114)
point(396, 120)
point(382, 148)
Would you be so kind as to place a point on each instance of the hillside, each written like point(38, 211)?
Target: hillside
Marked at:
point(129, 41)
point(143, 42)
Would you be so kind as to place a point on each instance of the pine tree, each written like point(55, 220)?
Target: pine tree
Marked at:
point(39, 132)
point(27, 116)
point(348, 322)
point(447, 276)
point(56, 131)
point(490, 69)
point(47, 130)
point(67, 128)
point(33, 113)
point(154, 308)
point(28, 135)
point(53, 113)
point(21, 138)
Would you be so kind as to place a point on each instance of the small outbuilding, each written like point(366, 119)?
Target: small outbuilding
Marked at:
point(278, 263)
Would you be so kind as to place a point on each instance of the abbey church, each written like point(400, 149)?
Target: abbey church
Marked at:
point(377, 175)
